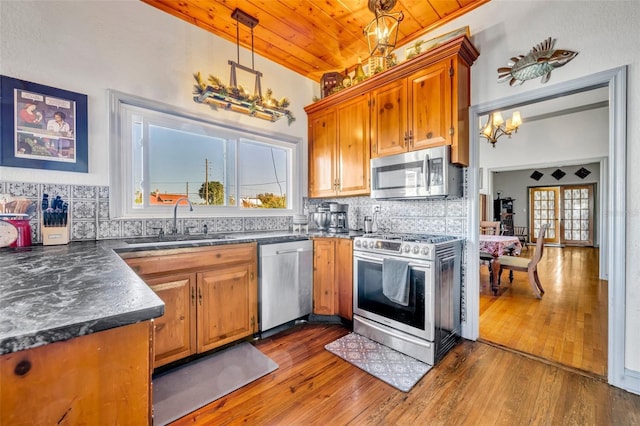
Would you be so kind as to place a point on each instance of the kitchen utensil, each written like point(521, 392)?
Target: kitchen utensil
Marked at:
point(368, 225)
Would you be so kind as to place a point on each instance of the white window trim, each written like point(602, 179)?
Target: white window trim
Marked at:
point(119, 159)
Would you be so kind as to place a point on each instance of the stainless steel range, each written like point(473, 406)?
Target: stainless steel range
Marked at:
point(407, 292)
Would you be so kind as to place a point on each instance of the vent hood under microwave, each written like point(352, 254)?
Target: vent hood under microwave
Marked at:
point(414, 175)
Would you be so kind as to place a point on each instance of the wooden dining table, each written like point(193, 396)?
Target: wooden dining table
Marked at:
point(496, 246)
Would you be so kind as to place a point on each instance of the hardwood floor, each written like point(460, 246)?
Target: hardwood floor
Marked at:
point(569, 324)
point(475, 384)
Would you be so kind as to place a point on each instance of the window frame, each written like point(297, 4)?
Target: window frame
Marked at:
point(121, 158)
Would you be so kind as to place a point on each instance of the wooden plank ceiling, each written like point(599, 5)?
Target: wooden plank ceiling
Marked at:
point(311, 37)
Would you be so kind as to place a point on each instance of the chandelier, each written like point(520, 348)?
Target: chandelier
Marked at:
point(382, 32)
point(496, 126)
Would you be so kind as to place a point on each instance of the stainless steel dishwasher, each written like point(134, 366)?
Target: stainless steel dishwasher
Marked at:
point(286, 282)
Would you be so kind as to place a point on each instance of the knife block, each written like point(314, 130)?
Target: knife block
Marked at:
point(54, 235)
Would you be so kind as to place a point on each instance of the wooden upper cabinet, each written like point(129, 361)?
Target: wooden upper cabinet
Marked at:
point(413, 113)
point(430, 107)
point(389, 119)
point(322, 153)
point(339, 149)
point(353, 147)
point(420, 103)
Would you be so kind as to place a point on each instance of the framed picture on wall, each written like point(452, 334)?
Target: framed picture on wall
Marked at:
point(42, 127)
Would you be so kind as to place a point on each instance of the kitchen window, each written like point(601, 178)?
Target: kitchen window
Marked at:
point(160, 154)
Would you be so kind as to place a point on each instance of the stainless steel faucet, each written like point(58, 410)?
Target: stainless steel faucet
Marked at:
point(174, 230)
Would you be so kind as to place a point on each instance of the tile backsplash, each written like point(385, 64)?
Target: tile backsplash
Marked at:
point(89, 215)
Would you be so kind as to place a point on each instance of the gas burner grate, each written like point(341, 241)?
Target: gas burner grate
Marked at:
point(416, 238)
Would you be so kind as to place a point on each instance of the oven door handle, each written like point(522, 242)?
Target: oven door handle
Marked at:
point(370, 258)
point(420, 267)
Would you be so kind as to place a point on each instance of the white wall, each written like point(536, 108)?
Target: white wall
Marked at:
point(605, 33)
point(91, 46)
point(568, 139)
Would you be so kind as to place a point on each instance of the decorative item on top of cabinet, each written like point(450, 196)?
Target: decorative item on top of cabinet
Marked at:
point(425, 100)
point(339, 149)
point(333, 277)
point(210, 296)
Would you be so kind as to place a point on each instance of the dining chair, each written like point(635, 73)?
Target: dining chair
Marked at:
point(489, 228)
point(523, 235)
point(530, 266)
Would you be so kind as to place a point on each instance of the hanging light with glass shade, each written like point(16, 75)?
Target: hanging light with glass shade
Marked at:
point(497, 127)
point(382, 32)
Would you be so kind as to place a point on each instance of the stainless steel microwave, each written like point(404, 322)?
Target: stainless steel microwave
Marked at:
point(417, 174)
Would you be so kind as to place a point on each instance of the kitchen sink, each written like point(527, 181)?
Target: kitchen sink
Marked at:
point(175, 239)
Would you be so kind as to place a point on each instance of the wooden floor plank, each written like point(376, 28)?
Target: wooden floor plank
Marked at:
point(474, 384)
point(568, 325)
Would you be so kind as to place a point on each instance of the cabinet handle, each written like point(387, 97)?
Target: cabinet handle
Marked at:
point(193, 296)
point(200, 296)
point(251, 276)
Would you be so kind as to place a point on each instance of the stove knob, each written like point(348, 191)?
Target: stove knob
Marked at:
point(425, 251)
point(406, 248)
point(357, 243)
point(416, 250)
point(371, 244)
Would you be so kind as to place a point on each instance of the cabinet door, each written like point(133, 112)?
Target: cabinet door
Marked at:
point(325, 295)
point(344, 277)
point(389, 119)
point(227, 305)
point(354, 146)
point(174, 335)
point(430, 106)
point(322, 154)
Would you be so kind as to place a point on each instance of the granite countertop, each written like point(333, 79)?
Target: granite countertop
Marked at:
point(54, 293)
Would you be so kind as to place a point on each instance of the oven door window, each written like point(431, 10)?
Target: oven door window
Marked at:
point(370, 297)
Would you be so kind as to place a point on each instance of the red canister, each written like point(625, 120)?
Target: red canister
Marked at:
point(24, 232)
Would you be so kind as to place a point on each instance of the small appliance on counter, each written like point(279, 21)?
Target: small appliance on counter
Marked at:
point(338, 218)
point(55, 224)
point(322, 217)
point(15, 214)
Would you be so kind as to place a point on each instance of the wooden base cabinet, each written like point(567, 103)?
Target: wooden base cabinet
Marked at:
point(333, 277)
point(227, 301)
point(102, 378)
point(175, 336)
point(210, 296)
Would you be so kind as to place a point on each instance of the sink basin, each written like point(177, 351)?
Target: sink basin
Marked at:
point(167, 240)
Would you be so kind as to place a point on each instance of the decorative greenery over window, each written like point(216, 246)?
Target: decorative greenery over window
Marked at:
point(218, 95)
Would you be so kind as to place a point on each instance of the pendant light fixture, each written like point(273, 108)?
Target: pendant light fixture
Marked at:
point(382, 32)
point(234, 97)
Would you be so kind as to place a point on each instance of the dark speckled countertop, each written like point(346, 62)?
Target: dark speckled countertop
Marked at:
point(54, 293)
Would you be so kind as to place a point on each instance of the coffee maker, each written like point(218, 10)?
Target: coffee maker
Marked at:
point(338, 218)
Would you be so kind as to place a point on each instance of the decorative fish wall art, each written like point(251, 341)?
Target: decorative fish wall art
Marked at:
point(542, 59)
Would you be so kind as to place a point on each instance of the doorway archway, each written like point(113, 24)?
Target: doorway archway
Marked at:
point(613, 246)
